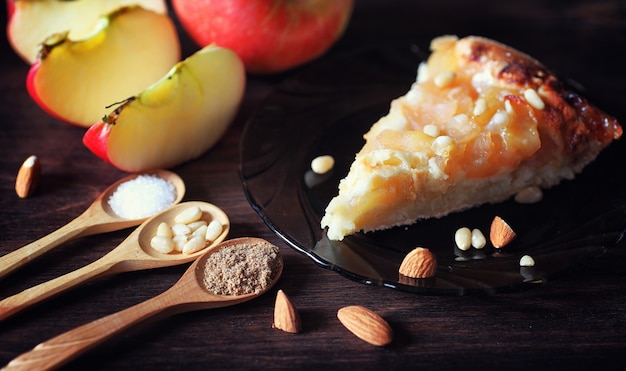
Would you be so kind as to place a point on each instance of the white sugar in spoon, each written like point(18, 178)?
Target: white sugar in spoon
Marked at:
point(98, 218)
point(133, 254)
point(188, 294)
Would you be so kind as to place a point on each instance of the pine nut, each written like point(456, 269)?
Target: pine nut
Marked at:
point(162, 244)
point(478, 239)
point(527, 261)
point(431, 130)
point(534, 99)
point(189, 215)
point(164, 230)
point(179, 242)
point(499, 118)
point(214, 229)
point(195, 225)
point(480, 107)
point(322, 164)
point(442, 145)
point(444, 79)
point(463, 238)
point(195, 243)
point(507, 107)
point(180, 228)
point(201, 231)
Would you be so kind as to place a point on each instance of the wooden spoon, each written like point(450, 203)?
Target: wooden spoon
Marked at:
point(133, 254)
point(98, 218)
point(188, 294)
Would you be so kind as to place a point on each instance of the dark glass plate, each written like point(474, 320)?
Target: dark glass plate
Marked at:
point(328, 107)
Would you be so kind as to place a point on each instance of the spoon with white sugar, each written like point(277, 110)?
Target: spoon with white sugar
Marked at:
point(134, 253)
point(99, 217)
point(197, 289)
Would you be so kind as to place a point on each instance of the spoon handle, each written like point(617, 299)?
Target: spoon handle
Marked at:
point(94, 220)
point(25, 254)
point(36, 294)
point(62, 348)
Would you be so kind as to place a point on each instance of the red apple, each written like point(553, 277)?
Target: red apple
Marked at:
point(32, 21)
point(177, 118)
point(10, 8)
point(268, 35)
point(75, 81)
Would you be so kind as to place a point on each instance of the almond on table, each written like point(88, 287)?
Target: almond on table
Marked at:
point(366, 325)
point(419, 263)
point(286, 316)
point(28, 177)
point(501, 233)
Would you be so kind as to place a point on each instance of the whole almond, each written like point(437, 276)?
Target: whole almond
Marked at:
point(366, 325)
point(501, 234)
point(419, 263)
point(286, 316)
point(28, 177)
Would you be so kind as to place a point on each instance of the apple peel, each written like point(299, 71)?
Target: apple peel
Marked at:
point(270, 36)
point(96, 138)
point(177, 118)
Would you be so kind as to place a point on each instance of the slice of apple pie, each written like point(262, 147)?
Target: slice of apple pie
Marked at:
point(481, 123)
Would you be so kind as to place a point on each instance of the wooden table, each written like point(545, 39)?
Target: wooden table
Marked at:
point(577, 321)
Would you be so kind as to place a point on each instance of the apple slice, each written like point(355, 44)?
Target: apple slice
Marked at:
point(177, 118)
point(130, 49)
point(32, 21)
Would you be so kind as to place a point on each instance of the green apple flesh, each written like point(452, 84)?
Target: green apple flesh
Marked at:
point(76, 80)
point(32, 21)
point(176, 119)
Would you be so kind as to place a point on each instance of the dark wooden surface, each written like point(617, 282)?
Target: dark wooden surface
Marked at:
point(577, 321)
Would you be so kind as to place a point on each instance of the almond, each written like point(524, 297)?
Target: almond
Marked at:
point(501, 234)
point(419, 263)
point(366, 325)
point(286, 316)
point(28, 177)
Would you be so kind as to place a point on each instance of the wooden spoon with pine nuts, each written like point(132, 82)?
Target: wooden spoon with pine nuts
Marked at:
point(133, 254)
point(98, 218)
point(188, 294)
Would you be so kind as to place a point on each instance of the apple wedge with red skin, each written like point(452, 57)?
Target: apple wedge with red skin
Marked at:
point(130, 48)
point(32, 21)
point(176, 119)
point(268, 35)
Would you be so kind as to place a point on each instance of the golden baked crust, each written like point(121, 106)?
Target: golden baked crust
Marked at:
point(482, 122)
point(569, 118)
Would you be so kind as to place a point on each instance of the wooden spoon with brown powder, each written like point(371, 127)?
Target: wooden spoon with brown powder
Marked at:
point(190, 293)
